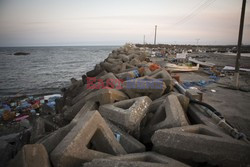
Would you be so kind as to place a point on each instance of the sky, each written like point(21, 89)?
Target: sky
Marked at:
point(116, 22)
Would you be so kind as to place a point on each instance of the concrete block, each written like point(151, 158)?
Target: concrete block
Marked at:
point(84, 79)
point(74, 89)
point(109, 67)
point(116, 163)
point(127, 113)
point(97, 70)
point(6, 151)
point(129, 69)
point(201, 144)
point(147, 71)
point(81, 95)
point(97, 85)
point(59, 105)
point(152, 109)
point(149, 157)
point(40, 128)
point(146, 159)
point(70, 114)
point(126, 67)
point(165, 76)
point(102, 73)
point(128, 142)
point(89, 105)
point(16, 140)
point(194, 94)
point(31, 155)
point(106, 96)
point(140, 56)
point(135, 62)
point(184, 100)
point(71, 111)
point(128, 75)
point(156, 103)
point(114, 61)
point(124, 57)
point(198, 115)
point(53, 139)
point(169, 114)
point(144, 86)
point(90, 138)
point(110, 78)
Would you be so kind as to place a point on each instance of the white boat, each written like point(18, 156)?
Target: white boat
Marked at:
point(207, 64)
point(181, 68)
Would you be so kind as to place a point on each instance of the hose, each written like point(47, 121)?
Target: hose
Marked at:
point(207, 106)
point(234, 132)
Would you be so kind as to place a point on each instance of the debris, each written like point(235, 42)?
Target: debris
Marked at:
point(181, 68)
point(212, 90)
point(154, 67)
point(21, 118)
point(206, 64)
point(230, 68)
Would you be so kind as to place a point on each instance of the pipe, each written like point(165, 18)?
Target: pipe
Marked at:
point(215, 115)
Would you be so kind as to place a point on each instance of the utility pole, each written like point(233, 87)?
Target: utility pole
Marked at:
point(237, 64)
point(197, 42)
point(155, 34)
point(144, 40)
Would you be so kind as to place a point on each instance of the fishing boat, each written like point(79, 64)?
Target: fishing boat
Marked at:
point(181, 68)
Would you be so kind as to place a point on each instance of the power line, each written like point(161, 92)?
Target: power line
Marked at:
point(197, 5)
point(195, 11)
point(192, 12)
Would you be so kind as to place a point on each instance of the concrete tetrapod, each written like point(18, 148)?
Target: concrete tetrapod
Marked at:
point(202, 144)
point(106, 96)
point(81, 95)
point(71, 111)
point(97, 70)
point(53, 139)
point(144, 86)
point(145, 159)
point(165, 76)
point(128, 75)
point(31, 155)
point(89, 105)
point(6, 152)
point(90, 138)
point(128, 142)
point(127, 113)
point(41, 127)
point(169, 114)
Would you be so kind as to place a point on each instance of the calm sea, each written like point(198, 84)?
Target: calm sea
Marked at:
point(46, 69)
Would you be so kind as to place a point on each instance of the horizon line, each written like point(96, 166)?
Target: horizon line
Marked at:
point(118, 45)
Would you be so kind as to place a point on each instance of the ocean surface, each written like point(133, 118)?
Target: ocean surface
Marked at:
point(47, 69)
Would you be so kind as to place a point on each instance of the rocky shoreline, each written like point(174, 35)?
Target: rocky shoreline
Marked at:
point(128, 111)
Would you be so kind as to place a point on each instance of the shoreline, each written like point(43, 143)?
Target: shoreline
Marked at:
point(141, 117)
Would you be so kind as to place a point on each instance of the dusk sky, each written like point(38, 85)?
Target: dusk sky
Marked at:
point(109, 22)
